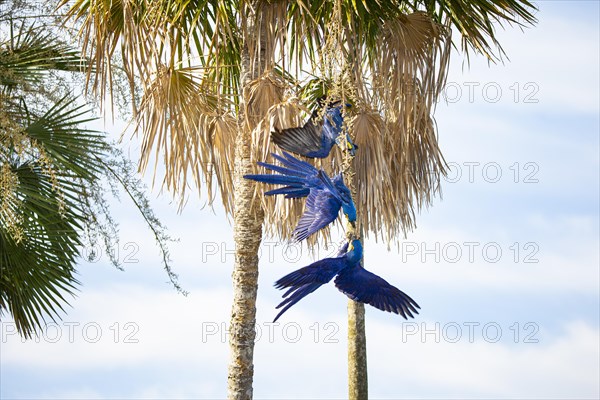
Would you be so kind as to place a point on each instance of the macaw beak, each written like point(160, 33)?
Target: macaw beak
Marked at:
point(350, 146)
point(353, 223)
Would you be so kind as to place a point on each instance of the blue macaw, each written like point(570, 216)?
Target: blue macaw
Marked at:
point(316, 141)
point(352, 279)
point(324, 196)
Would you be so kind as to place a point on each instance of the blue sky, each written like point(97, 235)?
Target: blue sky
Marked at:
point(505, 267)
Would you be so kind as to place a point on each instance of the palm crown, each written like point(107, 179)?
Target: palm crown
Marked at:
point(388, 58)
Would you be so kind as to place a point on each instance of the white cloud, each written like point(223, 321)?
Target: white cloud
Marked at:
point(185, 334)
point(183, 340)
point(559, 57)
point(556, 367)
point(548, 255)
point(123, 325)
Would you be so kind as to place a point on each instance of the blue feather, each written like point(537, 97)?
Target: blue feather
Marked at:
point(316, 140)
point(350, 278)
point(324, 196)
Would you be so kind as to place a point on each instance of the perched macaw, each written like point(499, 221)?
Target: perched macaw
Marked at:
point(324, 196)
point(352, 279)
point(316, 141)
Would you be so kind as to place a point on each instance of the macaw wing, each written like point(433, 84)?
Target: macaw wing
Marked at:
point(276, 179)
point(306, 280)
point(343, 249)
point(366, 287)
point(321, 209)
point(333, 187)
point(321, 271)
point(307, 139)
point(292, 162)
point(299, 294)
point(297, 176)
point(290, 192)
point(282, 170)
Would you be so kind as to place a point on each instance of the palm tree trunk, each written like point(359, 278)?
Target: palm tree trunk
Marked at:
point(357, 352)
point(358, 385)
point(247, 220)
point(248, 217)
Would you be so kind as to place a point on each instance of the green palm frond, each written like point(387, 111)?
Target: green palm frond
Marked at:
point(54, 174)
point(29, 52)
point(46, 166)
point(206, 33)
point(36, 267)
point(477, 21)
point(60, 128)
point(315, 88)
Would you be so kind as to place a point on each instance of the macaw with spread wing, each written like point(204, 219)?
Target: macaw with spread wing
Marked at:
point(316, 140)
point(351, 279)
point(324, 196)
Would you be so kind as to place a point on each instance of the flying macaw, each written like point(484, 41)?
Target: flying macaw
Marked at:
point(316, 141)
point(352, 279)
point(324, 196)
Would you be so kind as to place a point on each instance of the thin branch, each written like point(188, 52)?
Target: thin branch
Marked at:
point(159, 236)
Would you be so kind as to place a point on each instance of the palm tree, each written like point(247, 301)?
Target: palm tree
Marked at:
point(46, 161)
point(51, 174)
point(216, 77)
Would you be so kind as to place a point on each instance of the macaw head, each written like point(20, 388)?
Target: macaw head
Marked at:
point(343, 250)
point(348, 206)
point(346, 143)
point(350, 145)
point(355, 250)
point(349, 211)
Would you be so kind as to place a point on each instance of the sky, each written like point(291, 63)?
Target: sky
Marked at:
point(505, 266)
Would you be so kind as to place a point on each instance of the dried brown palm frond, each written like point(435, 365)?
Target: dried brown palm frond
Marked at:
point(373, 175)
point(283, 114)
point(261, 95)
point(184, 56)
point(179, 119)
point(108, 26)
point(387, 58)
point(407, 79)
point(394, 88)
point(223, 130)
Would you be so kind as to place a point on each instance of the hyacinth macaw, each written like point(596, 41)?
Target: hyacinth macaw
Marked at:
point(324, 196)
point(352, 279)
point(316, 140)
